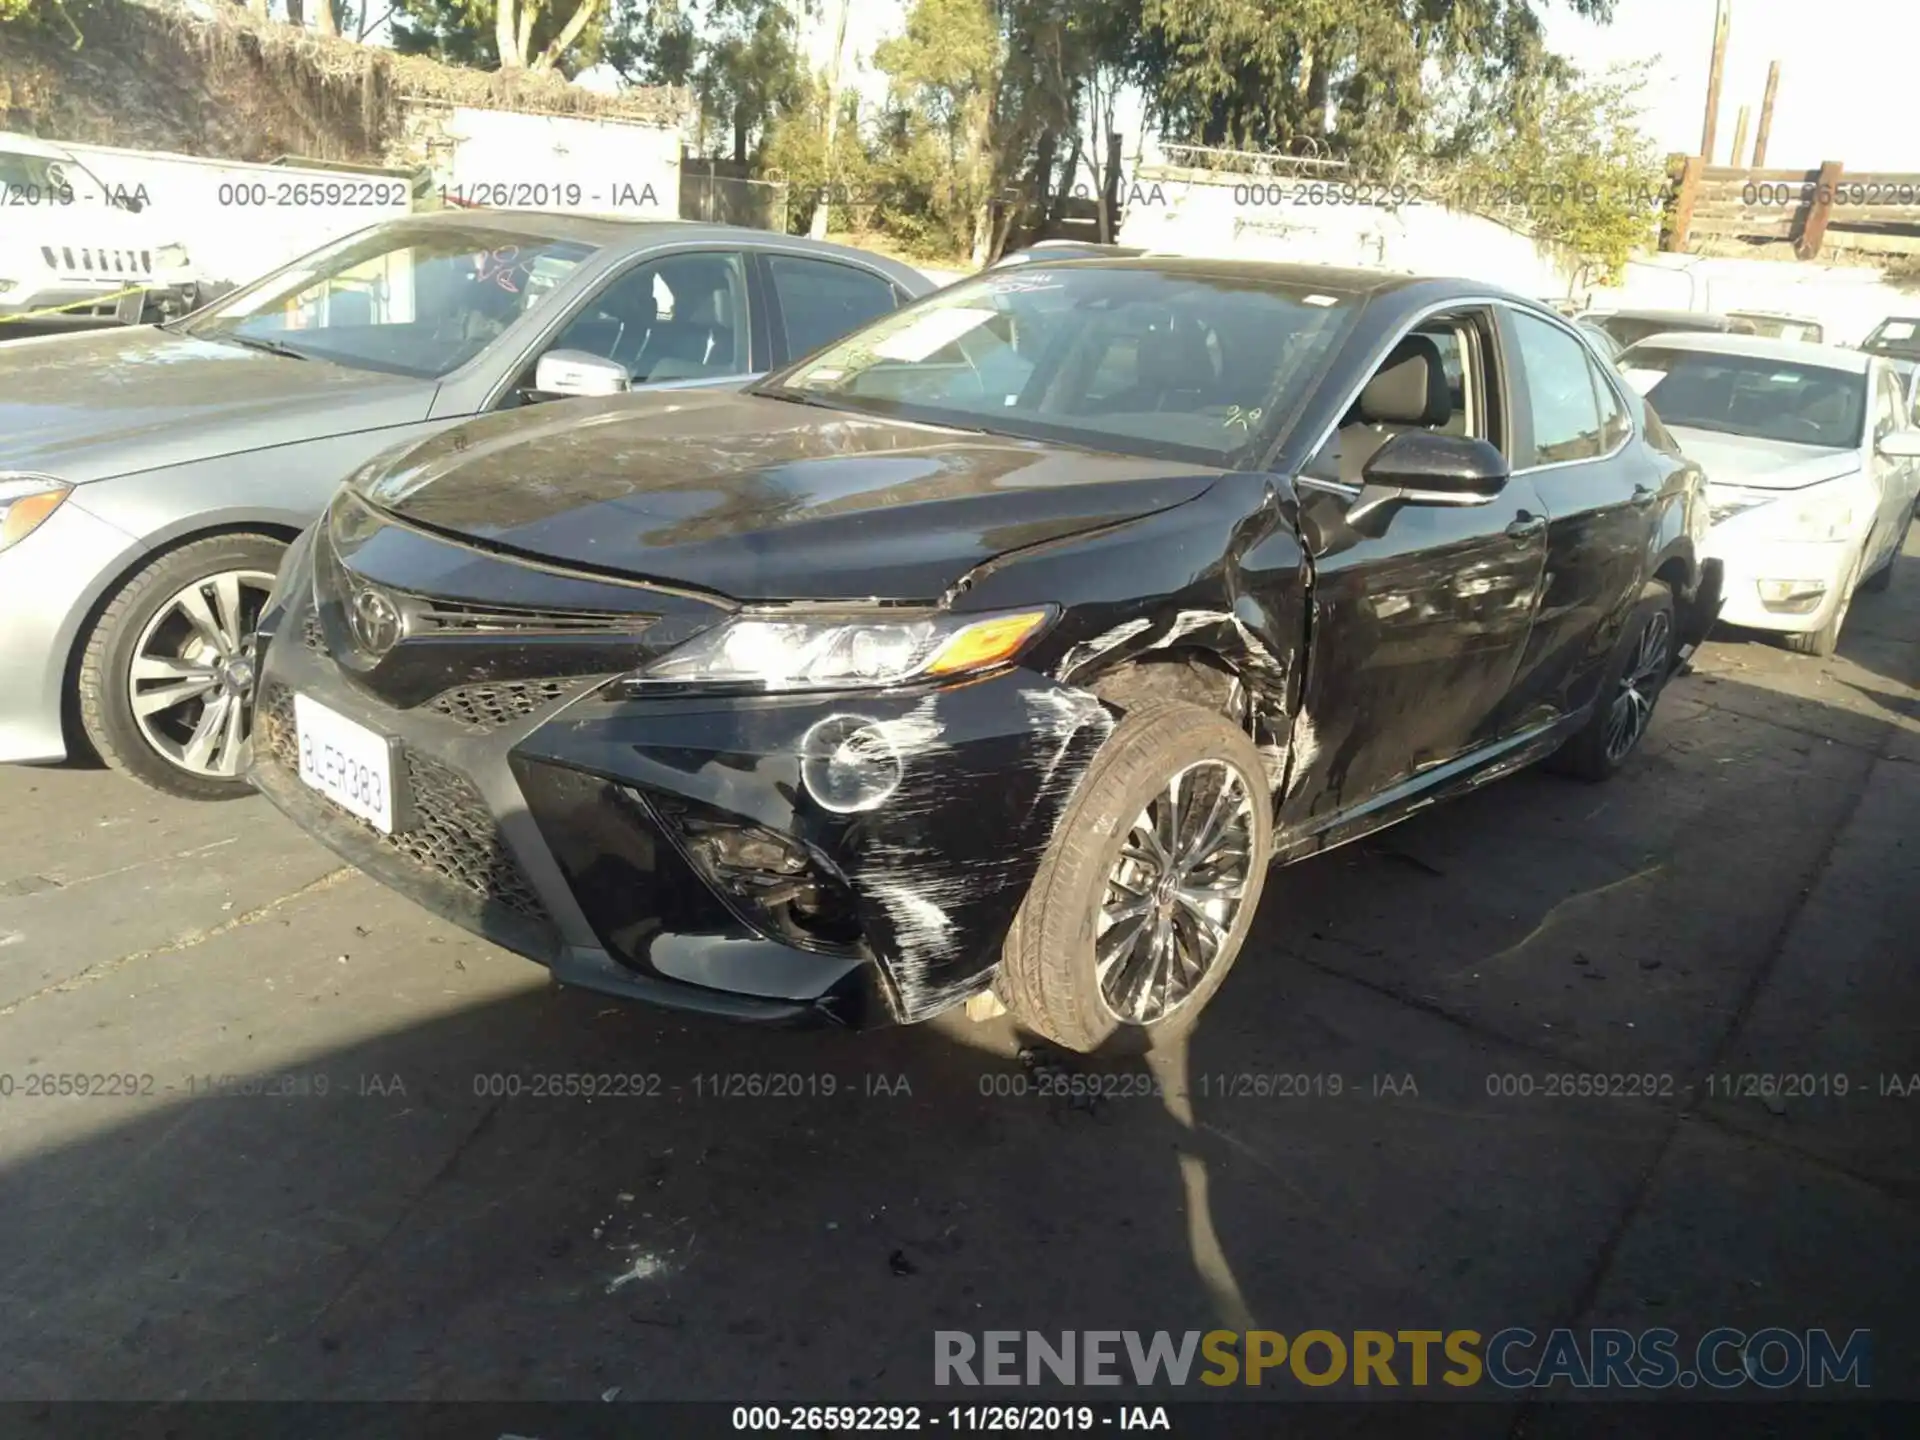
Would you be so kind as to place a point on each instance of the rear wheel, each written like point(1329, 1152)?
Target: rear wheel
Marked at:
point(1641, 665)
point(1145, 897)
point(164, 677)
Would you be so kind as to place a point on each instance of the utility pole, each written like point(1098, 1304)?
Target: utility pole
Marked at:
point(1740, 139)
point(1766, 117)
point(1722, 21)
point(818, 230)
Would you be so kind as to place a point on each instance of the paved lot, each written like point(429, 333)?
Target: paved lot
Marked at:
point(1744, 901)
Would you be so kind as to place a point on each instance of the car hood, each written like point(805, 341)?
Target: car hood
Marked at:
point(763, 499)
point(1747, 460)
point(109, 402)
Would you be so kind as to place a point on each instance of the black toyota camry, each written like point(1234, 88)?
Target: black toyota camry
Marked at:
point(999, 647)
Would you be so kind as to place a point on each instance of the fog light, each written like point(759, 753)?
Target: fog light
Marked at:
point(1792, 597)
point(849, 764)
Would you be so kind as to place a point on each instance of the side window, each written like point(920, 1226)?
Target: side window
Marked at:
point(1886, 405)
point(821, 301)
point(1560, 394)
point(616, 323)
point(1456, 340)
point(1615, 424)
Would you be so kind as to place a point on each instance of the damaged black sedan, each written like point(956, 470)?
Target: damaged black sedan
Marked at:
point(999, 647)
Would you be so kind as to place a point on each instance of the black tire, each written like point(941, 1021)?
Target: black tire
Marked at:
point(1048, 977)
point(1591, 754)
point(1878, 582)
point(105, 681)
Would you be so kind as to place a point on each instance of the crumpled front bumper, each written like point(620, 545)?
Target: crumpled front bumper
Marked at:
point(1696, 614)
point(705, 853)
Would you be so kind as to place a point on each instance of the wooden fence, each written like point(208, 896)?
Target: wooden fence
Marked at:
point(1827, 208)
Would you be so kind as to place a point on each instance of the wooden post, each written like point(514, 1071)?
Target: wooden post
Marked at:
point(1740, 140)
point(1813, 229)
point(1766, 117)
point(1722, 21)
point(1690, 173)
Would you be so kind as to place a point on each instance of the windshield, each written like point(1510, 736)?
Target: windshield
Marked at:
point(1894, 337)
point(40, 179)
point(1180, 364)
point(405, 298)
point(1751, 395)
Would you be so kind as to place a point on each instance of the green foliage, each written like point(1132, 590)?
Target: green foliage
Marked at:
point(1570, 157)
point(51, 17)
point(461, 32)
point(1358, 79)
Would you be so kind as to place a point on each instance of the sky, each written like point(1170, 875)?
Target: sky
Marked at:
point(1848, 72)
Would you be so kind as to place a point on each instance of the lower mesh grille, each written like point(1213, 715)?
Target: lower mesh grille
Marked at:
point(452, 833)
point(487, 707)
point(312, 635)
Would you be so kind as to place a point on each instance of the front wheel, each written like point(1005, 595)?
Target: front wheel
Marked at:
point(1641, 664)
point(166, 671)
point(1145, 897)
point(1826, 640)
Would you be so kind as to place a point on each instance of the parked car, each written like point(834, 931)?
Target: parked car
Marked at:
point(1777, 326)
point(1811, 458)
point(74, 244)
point(1601, 340)
point(1908, 372)
point(1895, 338)
point(1000, 645)
point(1629, 327)
point(150, 478)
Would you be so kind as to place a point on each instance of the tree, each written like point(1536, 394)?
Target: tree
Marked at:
point(1570, 160)
point(945, 73)
point(1358, 78)
point(502, 34)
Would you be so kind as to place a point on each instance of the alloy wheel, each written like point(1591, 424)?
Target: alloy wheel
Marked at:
point(192, 668)
point(1174, 893)
point(1632, 708)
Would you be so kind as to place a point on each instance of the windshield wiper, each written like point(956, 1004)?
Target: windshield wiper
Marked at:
point(270, 347)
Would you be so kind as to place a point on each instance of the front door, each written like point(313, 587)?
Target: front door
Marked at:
point(1416, 631)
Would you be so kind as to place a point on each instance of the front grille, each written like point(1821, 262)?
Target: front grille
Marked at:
point(426, 615)
point(487, 707)
point(453, 834)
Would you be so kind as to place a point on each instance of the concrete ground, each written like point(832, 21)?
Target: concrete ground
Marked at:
point(1742, 902)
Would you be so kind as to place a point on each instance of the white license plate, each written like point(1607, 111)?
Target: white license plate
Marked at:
point(346, 762)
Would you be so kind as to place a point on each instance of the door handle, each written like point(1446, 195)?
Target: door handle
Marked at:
point(1525, 526)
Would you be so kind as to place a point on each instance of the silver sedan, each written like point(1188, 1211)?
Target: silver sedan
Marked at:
point(150, 478)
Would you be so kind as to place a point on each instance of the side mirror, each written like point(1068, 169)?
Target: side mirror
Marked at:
point(1900, 445)
point(1418, 467)
point(578, 373)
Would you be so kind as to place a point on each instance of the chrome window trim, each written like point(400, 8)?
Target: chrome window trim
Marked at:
point(1462, 302)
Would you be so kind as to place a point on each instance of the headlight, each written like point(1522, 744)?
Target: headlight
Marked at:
point(26, 501)
point(171, 257)
point(1822, 512)
point(7, 286)
point(842, 652)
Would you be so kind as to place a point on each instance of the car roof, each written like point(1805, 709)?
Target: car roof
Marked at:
point(1347, 280)
point(1702, 317)
point(14, 143)
point(608, 231)
point(1759, 347)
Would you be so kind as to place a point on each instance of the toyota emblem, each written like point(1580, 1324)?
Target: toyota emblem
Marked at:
point(376, 622)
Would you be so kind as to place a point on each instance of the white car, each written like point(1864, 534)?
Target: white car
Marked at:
point(69, 238)
point(1812, 470)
